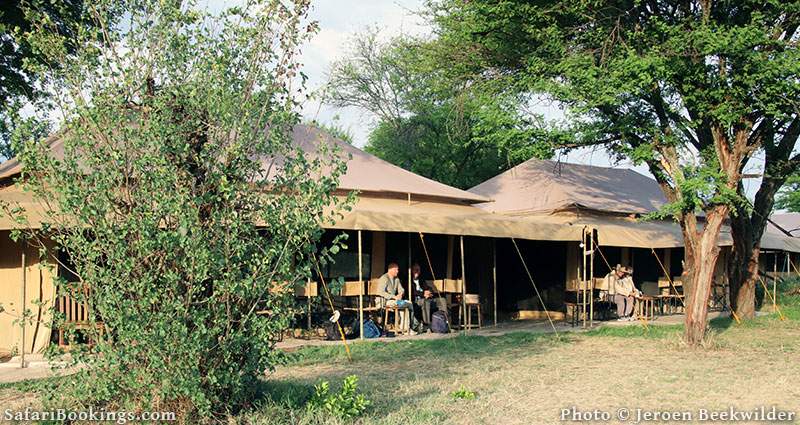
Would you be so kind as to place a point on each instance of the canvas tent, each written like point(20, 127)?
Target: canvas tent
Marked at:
point(611, 200)
point(390, 200)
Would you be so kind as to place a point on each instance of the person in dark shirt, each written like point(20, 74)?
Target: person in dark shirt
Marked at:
point(425, 296)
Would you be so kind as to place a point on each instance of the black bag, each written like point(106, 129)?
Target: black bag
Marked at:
point(439, 323)
point(331, 331)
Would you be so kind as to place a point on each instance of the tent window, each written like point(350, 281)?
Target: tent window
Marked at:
point(345, 262)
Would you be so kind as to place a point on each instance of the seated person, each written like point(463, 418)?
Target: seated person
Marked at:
point(390, 293)
point(423, 296)
point(620, 281)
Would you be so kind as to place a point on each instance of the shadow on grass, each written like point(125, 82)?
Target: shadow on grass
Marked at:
point(458, 347)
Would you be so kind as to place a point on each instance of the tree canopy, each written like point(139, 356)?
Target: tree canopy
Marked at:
point(428, 123)
point(20, 80)
point(789, 196)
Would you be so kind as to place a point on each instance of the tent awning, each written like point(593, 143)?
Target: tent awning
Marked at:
point(623, 232)
point(395, 215)
point(377, 214)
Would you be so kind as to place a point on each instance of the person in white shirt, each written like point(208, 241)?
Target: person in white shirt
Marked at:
point(621, 280)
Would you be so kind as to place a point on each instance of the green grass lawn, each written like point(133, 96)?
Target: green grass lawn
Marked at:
point(528, 377)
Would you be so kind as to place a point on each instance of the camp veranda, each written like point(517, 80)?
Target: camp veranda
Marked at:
point(89, 415)
point(638, 415)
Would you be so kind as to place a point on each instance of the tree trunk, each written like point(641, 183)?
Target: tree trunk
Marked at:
point(743, 268)
point(747, 228)
point(705, 253)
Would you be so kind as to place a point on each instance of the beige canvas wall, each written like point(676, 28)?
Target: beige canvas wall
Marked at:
point(39, 287)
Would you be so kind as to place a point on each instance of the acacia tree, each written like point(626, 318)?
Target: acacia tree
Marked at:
point(690, 88)
point(749, 221)
point(789, 195)
point(174, 189)
point(426, 122)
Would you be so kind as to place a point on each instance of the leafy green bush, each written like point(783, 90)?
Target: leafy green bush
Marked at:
point(347, 403)
point(463, 394)
point(176, 204)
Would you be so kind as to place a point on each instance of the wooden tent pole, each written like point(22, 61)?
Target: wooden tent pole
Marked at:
point(775, 282)
point(591, 280)
point(494, 278)
point(463, 288)
point(22, 306)
point(361, 293)
point(409, 273)
point(308, 298)
point(583, 275)
point(410, 311)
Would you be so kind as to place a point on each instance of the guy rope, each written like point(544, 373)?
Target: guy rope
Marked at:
point(546, 312)
point(666, 273)
point(330, 303)
point(773, 297)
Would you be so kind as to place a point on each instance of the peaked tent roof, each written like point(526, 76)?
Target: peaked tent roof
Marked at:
point(539, 186)
point(368, 173)
point(538, 189)
point(789, 222)
point(365, 172)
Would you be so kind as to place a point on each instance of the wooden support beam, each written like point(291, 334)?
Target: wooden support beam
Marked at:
point(494, 278)
point(360, 296)
point(463, 287)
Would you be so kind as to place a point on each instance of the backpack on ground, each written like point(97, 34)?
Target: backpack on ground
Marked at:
point(371, 330)
point(439, 323)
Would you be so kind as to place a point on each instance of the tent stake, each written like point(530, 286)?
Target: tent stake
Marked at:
point(361, 293)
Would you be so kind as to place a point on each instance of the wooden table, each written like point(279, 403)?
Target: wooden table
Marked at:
point(645, 307)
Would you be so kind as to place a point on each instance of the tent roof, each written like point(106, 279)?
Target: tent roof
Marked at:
point(368, 173)
point(789, 222)
point(545, 186)
point(365, 172)
point(541, 191)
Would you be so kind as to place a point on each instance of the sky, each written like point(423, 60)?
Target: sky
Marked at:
point(339, 20)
